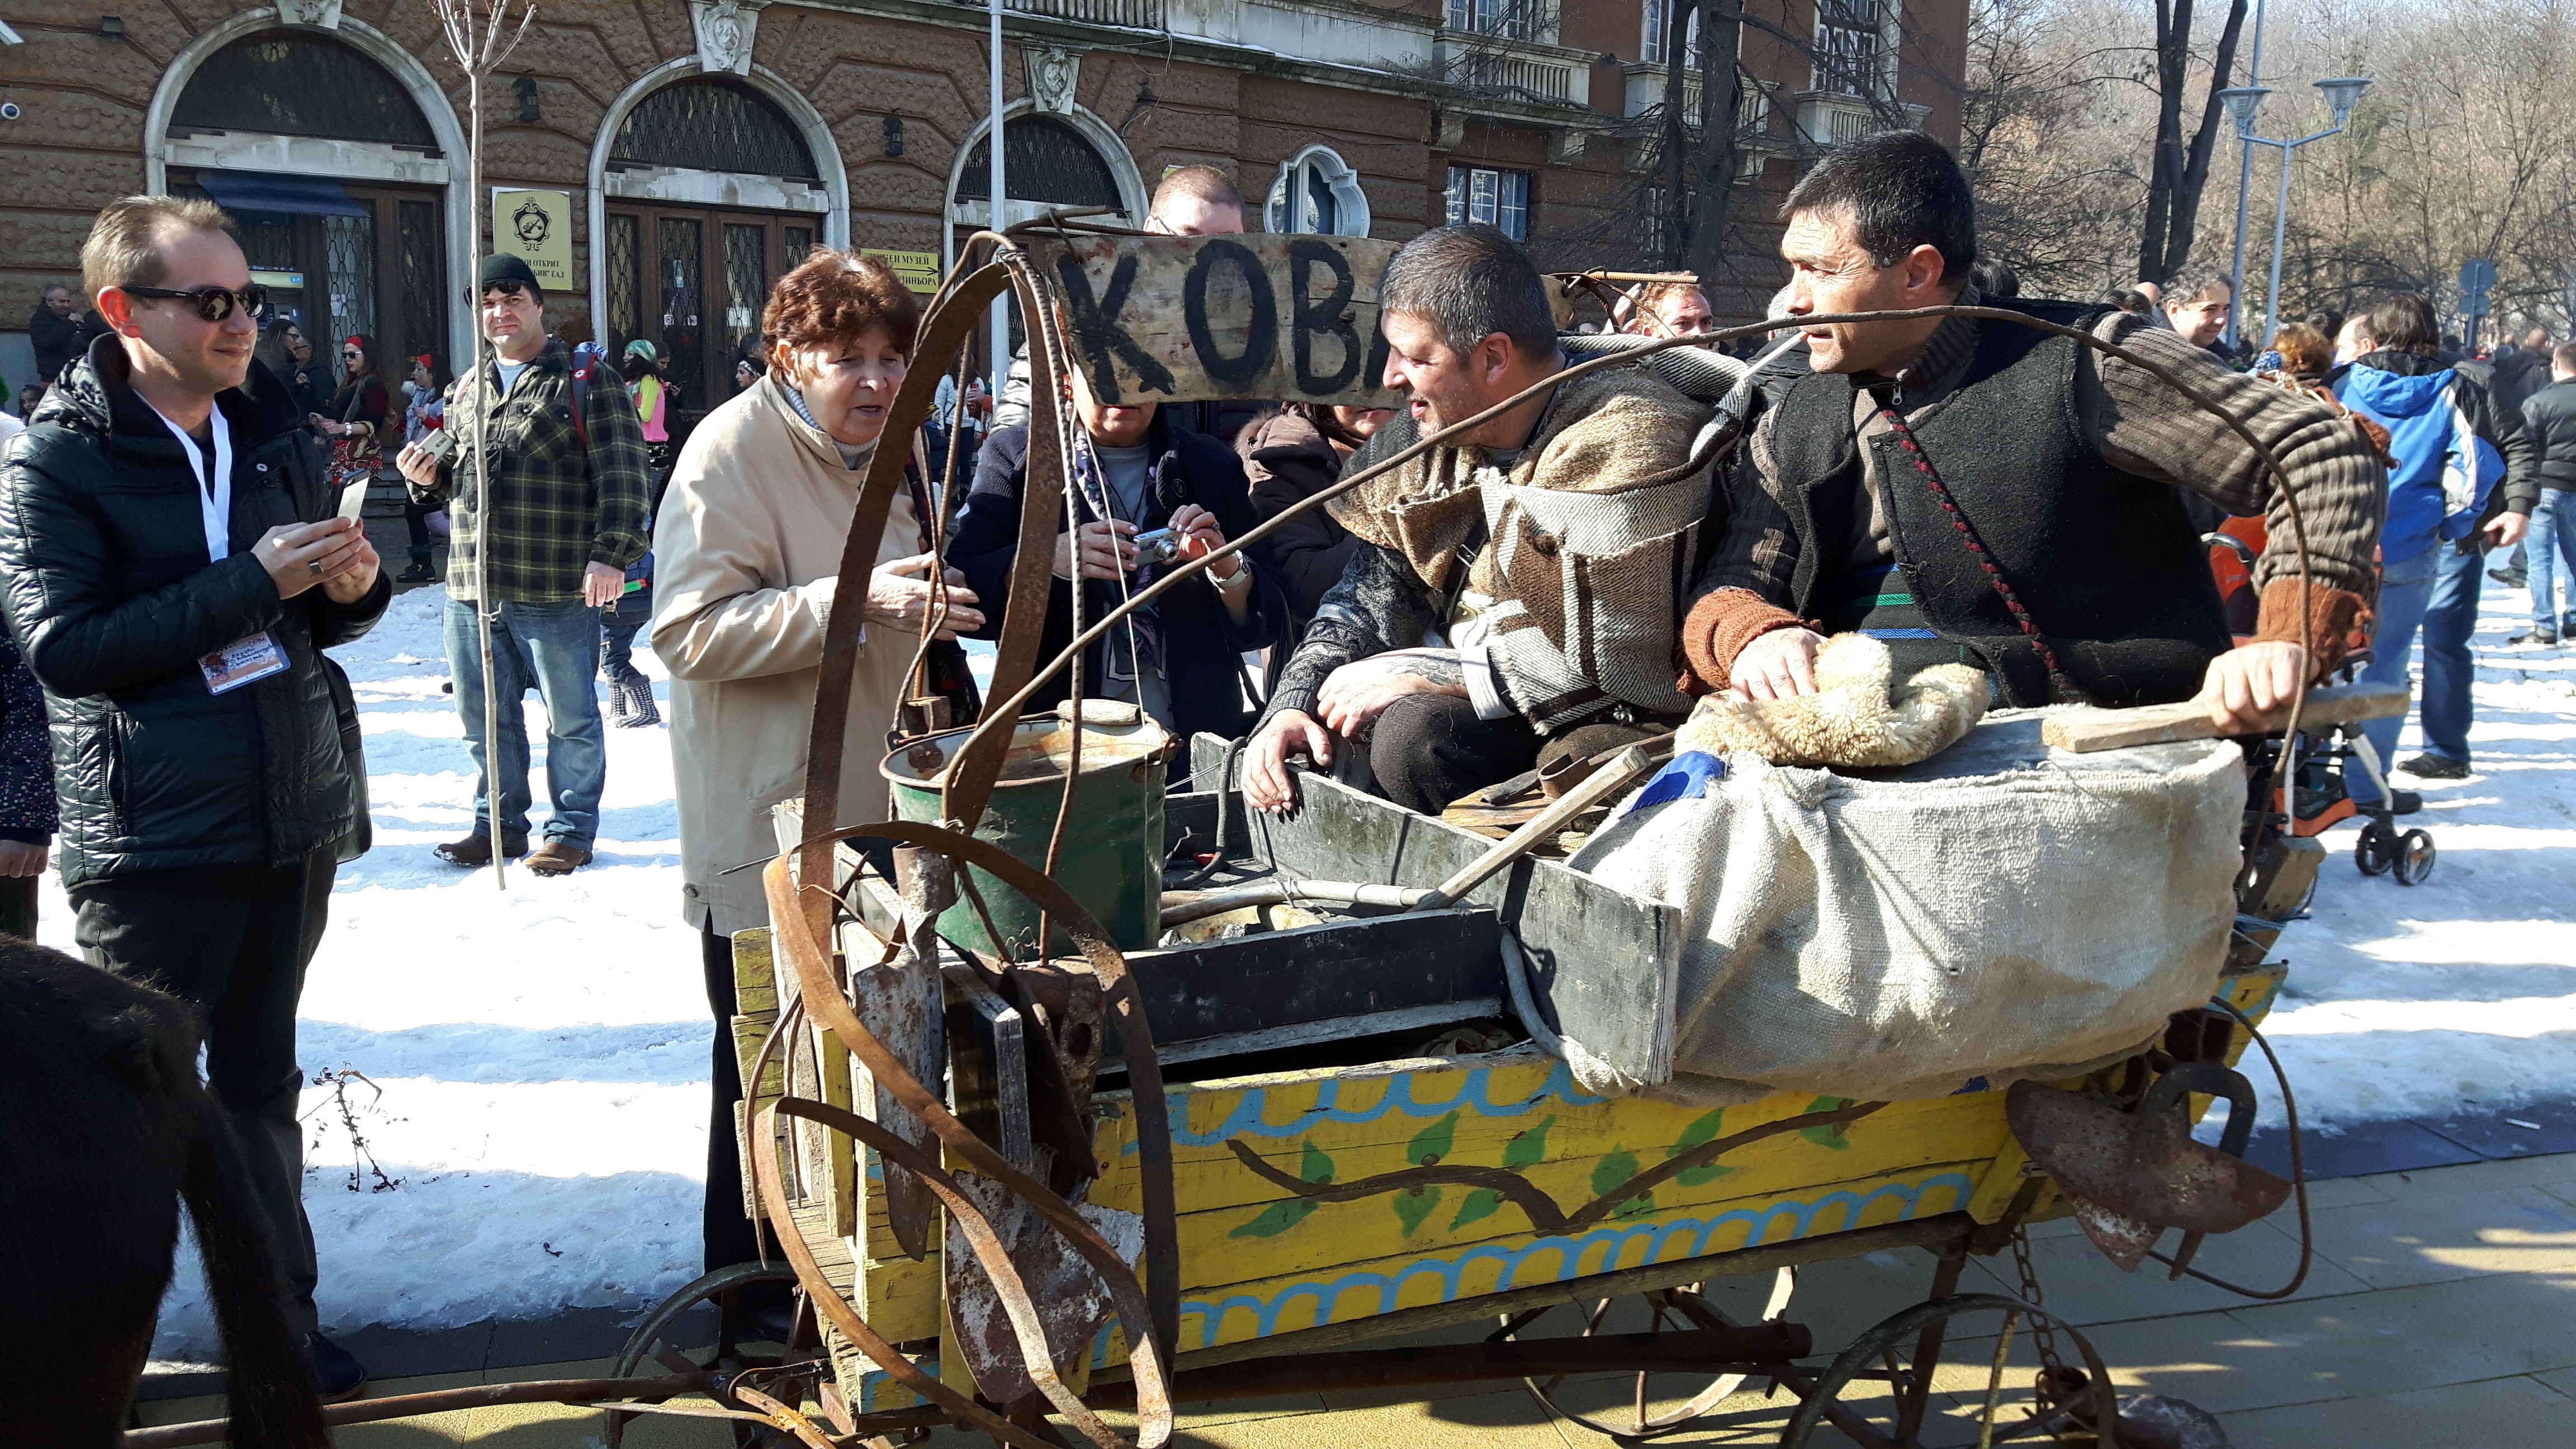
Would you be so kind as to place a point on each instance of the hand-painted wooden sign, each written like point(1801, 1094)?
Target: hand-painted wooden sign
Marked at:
point(1176, 319)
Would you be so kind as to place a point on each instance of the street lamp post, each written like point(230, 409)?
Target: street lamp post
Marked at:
point(2341, 92)
point(2244, 189)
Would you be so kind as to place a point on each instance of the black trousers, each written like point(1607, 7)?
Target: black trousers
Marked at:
point(18, 906)
point(1428, 749)
point(233, 941)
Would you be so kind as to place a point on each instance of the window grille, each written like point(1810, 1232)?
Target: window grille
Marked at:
point(713, 125)
point(677, 278)
point(1850, 36)
point(299, 85)
point(746, 291)
point(1497, 198)
point(420, 267)
point(349, 260)
point(625, 249)
point(1049, 163)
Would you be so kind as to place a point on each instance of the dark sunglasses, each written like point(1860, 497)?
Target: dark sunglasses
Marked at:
point(213, 303)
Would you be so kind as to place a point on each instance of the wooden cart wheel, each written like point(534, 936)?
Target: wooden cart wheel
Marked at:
point(648, 1346)
point(1649, 1412)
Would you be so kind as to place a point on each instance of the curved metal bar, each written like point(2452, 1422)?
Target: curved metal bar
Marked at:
point(828, 1301)
point(1153, 1323)
point(1272, 524)
point(1010, 1288)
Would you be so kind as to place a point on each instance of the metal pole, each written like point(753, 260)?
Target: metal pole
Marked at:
point(2244, 191)
point(2280, 225)
point(993, 147)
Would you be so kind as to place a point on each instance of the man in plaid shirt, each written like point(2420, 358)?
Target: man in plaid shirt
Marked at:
point(568, 515)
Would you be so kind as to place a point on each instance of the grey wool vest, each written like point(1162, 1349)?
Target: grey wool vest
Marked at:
point(2107, 563)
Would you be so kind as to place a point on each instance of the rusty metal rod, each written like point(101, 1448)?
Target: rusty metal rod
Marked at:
point(1759, 1348)
point(439, 1401)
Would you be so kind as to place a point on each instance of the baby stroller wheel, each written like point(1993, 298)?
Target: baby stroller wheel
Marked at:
point(2376, 848)
point(2414, 857)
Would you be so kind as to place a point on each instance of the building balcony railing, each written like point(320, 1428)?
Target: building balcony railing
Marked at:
point(1524, 69)
point(1827, 118)
point(1126, 14)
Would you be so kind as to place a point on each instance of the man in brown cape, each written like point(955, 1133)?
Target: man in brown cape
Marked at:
point(1515, 594)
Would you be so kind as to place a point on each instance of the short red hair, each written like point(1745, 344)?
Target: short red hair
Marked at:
point(837, 296)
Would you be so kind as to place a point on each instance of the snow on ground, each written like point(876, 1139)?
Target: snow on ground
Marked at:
point(531, 1088)
point(2460, 993)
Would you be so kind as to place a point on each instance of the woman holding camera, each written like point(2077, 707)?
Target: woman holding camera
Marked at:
point(1150, 497)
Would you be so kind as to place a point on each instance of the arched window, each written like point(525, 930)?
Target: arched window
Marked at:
point(1048, 162)
point(1317, 192)
point(713, 125)
point(293, 84)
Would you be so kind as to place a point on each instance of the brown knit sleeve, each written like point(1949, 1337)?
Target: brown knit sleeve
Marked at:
point(2334, 617)
point(1717, 629)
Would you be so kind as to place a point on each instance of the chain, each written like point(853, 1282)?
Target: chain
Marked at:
point(2053, 1373)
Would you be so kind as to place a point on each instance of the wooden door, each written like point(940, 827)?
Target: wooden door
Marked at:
point(694, 281)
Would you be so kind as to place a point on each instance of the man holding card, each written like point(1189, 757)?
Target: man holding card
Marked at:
point(172, 567)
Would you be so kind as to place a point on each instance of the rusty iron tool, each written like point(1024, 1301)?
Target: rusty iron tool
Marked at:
point(1071, 1301)
point(2132, 1175)
point(900, 1001)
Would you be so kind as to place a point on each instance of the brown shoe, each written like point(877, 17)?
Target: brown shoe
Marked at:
point(474, 850)
point(557, 858)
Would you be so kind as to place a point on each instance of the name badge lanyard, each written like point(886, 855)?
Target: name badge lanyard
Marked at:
point(215, 496)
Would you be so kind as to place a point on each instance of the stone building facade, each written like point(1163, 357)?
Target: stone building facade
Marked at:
point(692, 149)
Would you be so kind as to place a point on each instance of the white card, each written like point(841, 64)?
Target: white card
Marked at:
point(248, 658)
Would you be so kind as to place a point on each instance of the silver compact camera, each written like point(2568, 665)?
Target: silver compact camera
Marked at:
point(1159, 547)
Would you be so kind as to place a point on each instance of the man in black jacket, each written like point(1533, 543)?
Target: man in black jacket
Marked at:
point(58, 332)
point(2549, 421)
point(173, 568)
point(1135, 475)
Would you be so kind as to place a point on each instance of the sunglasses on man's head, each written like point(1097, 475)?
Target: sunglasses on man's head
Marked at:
point(213, 303)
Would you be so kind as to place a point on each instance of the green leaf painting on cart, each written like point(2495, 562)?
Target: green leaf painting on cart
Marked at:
point(1698, 1133)
point(1432, 1143)
point(1413, 1204)
point(1522, 1151)
point(1315, 1166)
point(1616, 1167)
point(1831, 1134)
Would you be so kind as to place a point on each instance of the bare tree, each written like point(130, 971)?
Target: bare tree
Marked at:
point(2180, 173)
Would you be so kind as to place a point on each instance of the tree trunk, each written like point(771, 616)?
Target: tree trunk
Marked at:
point(1677, 171)
point(2180, 175)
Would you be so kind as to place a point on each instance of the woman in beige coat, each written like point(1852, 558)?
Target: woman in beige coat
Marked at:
point(745, 551)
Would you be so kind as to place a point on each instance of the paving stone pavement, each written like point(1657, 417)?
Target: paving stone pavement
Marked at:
point(2440, 1314)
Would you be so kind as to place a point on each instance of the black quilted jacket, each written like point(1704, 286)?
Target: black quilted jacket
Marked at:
point(110, 595)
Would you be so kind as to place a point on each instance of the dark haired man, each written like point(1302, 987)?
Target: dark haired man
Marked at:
point(1988, 493)
point(571, 501)
point(174, 570)
point(2197, 304)
point(2549, 422)
point(1512, 591)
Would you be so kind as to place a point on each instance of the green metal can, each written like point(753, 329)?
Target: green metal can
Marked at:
point(1112, 857)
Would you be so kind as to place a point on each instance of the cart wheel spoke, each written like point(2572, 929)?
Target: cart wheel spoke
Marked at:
point(650, 1344)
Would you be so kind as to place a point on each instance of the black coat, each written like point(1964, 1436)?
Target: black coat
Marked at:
point(111, 598)
point(1200, 640)
point(2549, 421)
point(1289, 461)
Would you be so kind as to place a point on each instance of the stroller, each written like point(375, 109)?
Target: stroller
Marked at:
point(2306, 796)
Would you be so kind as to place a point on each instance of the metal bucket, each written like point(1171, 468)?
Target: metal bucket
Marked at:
point(1112, 857)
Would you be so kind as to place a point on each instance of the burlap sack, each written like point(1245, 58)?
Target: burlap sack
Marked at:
point(2000, 911)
